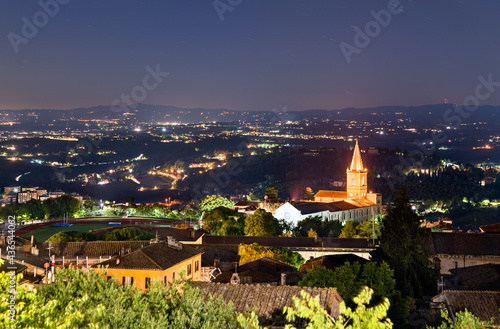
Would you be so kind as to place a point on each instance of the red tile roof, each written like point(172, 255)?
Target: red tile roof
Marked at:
point(483, 304)
point(331, 194)
point(158, 256)
point(463, 243)
point(267, 299)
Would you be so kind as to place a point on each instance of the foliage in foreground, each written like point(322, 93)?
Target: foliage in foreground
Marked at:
point(72, 236)
point(254, 251)
point(85, 299)
point(310, 308)
point(350, 278)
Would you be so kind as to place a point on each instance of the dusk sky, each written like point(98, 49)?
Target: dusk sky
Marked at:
point(262, 55)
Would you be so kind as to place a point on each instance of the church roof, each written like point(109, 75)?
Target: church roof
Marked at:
point(360, 202)
point(331, 194)
point(356, 163)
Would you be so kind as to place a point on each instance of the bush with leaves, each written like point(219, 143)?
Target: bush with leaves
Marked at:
point(128, 234)
point(85, 299)
point(72, 236)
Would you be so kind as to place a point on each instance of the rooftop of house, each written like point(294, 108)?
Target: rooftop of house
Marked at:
point(246, 204)
point(492, 228)
point(264, 270)
point(90, 248)
point(483, 304)
point(222, 253)
point(7, 267)
point(157, 256)
point(268, 301)
point(163, 232)
point(463, 243)
point(480, 277)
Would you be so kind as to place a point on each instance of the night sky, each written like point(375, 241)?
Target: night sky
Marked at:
point(262, 55)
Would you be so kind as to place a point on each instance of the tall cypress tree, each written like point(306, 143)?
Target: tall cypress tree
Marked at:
point(401, 246)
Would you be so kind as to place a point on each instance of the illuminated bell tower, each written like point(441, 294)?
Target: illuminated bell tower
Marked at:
point(356, 176)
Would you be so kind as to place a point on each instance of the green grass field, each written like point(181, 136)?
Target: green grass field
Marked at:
point(42, 234)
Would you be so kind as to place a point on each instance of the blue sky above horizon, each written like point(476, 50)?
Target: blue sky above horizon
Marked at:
point(263, 55)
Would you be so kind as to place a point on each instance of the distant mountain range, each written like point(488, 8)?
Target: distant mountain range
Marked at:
point(418, 115)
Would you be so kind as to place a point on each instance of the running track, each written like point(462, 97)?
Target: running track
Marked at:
point(92, 221)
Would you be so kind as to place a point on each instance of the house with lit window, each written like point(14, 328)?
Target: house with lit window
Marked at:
point(163, 261)
point(356, 203)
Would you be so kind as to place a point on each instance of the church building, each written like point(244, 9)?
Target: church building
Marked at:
point(356, 203)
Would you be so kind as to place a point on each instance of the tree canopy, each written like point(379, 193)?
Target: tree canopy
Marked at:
point(356, 230)
point(324, 228)
point(58, 207)
point(251, 252)
point(72, 236)
point(224, 221)
point(401, 246)
point(262, 223)
point(211, 202)
point(128, 234)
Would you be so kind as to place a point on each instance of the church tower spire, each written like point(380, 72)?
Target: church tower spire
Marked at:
point(356, 163)
point(357, 176)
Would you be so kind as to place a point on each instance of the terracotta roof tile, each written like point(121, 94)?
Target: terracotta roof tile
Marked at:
point(463, 243)
point(90, 248)
point(483, 304)
point(158, 256)
point(266, 299)
point(331, 194)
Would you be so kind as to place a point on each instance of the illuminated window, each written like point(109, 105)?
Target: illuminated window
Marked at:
point(363, 180)
point(354, 182)
point(128, 280)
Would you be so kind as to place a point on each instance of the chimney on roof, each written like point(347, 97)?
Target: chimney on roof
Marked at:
point(283, 279)
point(172, 243)
point(235, 279)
